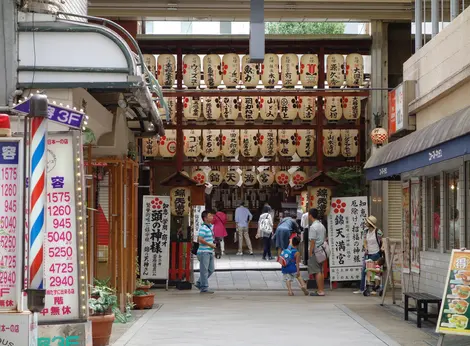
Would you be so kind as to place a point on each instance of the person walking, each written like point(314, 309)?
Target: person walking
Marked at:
point(373, 245)
point(242, 219)
point(286, 228)
point(291, 270)
point(265, 231)
point(220, 232)
point(316, 236)
point(205, 252)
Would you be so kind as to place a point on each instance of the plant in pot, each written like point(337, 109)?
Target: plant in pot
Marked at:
point(103, 304)
point(143, 285)
point(143, 300)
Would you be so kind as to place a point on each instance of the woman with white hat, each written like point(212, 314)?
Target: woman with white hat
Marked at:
point(373, 246)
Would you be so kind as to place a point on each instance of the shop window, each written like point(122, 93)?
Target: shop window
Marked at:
point(467, 202)
point(453, 212)
point(433, 212)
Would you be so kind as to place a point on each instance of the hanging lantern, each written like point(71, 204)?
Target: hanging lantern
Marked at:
point(320, 199)
point(171, 104)
point(265, 178)
point(231, 70)
point(299, 178)
point(180, 201)
point(379, 136)
point(150, 147)
point(303, 201)
point(334, 70)
point(249, 178)
point(166, 67)
point(250, 73)
point(289, 70)
point(307, 107)
point(167, 145)
point(199, 176)
point(331, 143)
point(212, 70)
point(211, 143)
point(282, 178)
point(309, 70)
point(305, 143)
point(191, 71)
point(286, 142)
point(249, 106)
point(349, 142)
point(215, 177)
point(268, 107)
point(230, 108)
point(211, 108)
point(354, 70)
point(232, 177)
point(151, 63)
point(351, 107)
point(270, 70)
point(288, 108)
point(268, 143)
point(192, 142)
point(230, 143)
point(249, 143)
point(192, 108)
point(333, 108)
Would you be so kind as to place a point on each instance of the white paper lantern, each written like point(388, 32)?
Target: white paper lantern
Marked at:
point(333, 108)
point(309, 70)
point(307, 107)
point(354, 70)
point(215, 177)
point(299, 178)
point(212, 70)
point(180, 201)
point(167, 145)
point(265, 178)
point(268, 107)
point(166, 67)
point(304, 201)
point(305, 143)
point(230, 143)
point(249, 143)
point(192, 142)
point(211, 143)
point(231, 70)
point(331, 143)
point(282, 178)
point(288, 107)
point(192, 108)
point(249, 178)
point(150, 147)
point(199, 176)
point(349, 142)
point(270, 70)
point(334, 70)
point(250, 73)
point(268, 143)
point(351, 107)
point(249, 106)
point(286, 142)
point(211, 108)
point(171, 104)
point(289, 70)
point(191, 71)
point(232, 177)
point(320, 198)
point(230, 108)
point(151, 63)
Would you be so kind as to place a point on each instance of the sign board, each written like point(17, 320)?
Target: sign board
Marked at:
point(398, 100)
point(455, 312)
point(11, 221)
point(154, 261)
point(18, 329)
point(76, 334)
point(198, 209)
point(346, 230)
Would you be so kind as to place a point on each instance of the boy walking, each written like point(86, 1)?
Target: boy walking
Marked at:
point(291, 266)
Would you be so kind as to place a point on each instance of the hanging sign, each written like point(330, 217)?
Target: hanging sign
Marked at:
point(320, 198)
point(415, 199)
point(346, 231)
point(155, 237)
point(198, 209)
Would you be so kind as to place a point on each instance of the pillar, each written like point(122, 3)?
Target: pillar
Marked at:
point(8, 51)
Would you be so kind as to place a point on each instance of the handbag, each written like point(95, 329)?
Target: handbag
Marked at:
point(194, 248)
point(322, 253)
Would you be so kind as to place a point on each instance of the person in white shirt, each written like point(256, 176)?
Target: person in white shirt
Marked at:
point(242, 219)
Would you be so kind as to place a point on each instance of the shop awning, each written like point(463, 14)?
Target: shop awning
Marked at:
point(443, 140)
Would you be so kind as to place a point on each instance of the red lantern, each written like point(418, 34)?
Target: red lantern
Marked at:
point(379, 136)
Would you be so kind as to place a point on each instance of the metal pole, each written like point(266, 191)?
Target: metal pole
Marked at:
point(435, 17)
point(418, 24)
point(454, 9)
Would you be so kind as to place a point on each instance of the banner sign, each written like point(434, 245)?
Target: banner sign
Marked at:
point(406, 220)
point(346, 231)
point(76, 334)
point(415, 224)
point(19, 329)
point(198, 209)
point(154, 261)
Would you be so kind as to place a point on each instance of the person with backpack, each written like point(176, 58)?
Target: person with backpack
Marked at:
point(265, 231)
point(290, 261)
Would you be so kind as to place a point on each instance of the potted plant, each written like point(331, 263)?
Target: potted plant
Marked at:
point(103, 304)
point(143, 285)
point(143, 300)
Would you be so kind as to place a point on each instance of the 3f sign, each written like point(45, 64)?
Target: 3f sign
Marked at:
point(4, 291)
point(64, 116)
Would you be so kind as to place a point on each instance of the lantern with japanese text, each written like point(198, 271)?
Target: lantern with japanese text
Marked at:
point(288, 107)
point(289, 70)
point(307, 107)
point(232, 177)
point(249, 178)
point(171, 104)
point(354, 70)
point(192, 142)
point(270, 70)
point(265, 178)
point(268, 143)
point(299, 178)
point(268, 107)
point(166, 67)
point(249, 143)
point(250, 73)
point(215, 177)
point(379, 136)
point(249, 106)
point(230, 108)
point(351, 107)
point(231, 70)
point(286, 142)
point(349, 142)
point(180, 201)
point(304, 201)
point(309, 70)
point(211, 108)
point(151, 63)
point(331, 143)
point(150, 147)
point(333, 108)
point(230, 143)
point(192, 108)
point(211, 143)
point(212, 70)
point(282, 178)
point(191, 71)
point(305, 143)
point(320, 198)
point(199, 176)
point(334, 70)
point(167, 144)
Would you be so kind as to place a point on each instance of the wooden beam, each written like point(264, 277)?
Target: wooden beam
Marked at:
point(299, 126)
point(267, 92)
point(168, 163)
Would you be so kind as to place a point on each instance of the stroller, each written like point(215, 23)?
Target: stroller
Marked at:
point(372, 274)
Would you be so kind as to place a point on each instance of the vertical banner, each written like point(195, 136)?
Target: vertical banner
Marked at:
point(406, 226)
point(154, 260)
point(415, 224)
point(346, 231)
point(198, 209)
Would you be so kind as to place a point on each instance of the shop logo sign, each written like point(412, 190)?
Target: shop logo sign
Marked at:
point(435, 154)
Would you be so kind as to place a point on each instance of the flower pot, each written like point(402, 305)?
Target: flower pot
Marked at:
point(144, 302)
point(102, 326)
point(145, 288)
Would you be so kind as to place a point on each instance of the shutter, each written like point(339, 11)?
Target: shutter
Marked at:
point(103, 219)
point(394, 210)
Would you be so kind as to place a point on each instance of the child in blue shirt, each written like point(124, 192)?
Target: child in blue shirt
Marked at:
point(291, 270)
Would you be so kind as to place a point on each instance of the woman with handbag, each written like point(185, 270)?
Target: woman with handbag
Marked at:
point(265, 231)
point(318, 252)
point(220, 232)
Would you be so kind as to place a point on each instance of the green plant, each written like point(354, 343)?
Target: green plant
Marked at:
point(104, 300)
point(351, 181)
point(140, 283)
point(139, 293)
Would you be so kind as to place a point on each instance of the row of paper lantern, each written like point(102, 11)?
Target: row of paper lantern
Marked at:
point(268, 108)
point(227, 70)
point(230, 143)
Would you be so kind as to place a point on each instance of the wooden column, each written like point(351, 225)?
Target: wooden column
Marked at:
point(121, 260)
point(321, 112)
point(113, 243)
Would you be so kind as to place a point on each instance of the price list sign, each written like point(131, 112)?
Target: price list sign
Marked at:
point(11, 188)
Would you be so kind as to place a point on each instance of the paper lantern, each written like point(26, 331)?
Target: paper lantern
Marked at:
point(288, 107)
point(180, 201)
point(192, 108)
point(150, 147)
point(265, 178)
point(289, 70)
point(351, 107)
point(171, 104)
point(379, 136)
point(305, 143)
point(166, 67)
point(349, 142)
point(250, 73)
point(191, 71)
point(286, 142)
point(270, 70)
point(230, 143)
point(268, 107)
point(212, 70)
point(299, 178)
point(192, 142)
point(304, 201)
point(309, 70)
point(215, 177)
point(199, 176)
point(249, 106)
point(231, 70)
point(230, 108)
point(333, 108)
point(249, 178)
point(307, 107)
point(249, 143)
point(331, 143)
point(320, 198)
point(151, 63)
point(282, 178)
point(334, 70)
point(232, 178)
point(211, 143)
point(167, 144)
point(268, 143)
point(211, 108)
point(354, 70)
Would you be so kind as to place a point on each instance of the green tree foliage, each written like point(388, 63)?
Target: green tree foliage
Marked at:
point(351, 182)
point(304, 28)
